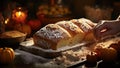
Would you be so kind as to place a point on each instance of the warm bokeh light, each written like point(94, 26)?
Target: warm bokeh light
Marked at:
point(7, 20)
point(19, 15)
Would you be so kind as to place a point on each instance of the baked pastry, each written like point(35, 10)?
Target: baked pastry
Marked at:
point(12, 37)
point(12, 34)
point(52, 36)
point(89, 22)
point(76, 33)
point(86, 26)
point(62, 33)
point(82, 25)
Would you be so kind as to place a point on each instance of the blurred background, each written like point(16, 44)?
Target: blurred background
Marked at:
point(38, 13)
point(77, 6)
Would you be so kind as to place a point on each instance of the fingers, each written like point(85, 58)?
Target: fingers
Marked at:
point(106, 28)
point(102, 26)
point(118, 17)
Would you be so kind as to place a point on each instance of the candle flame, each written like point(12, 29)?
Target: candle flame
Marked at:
point(19, 13)
point(7, 20)
point(19, 16)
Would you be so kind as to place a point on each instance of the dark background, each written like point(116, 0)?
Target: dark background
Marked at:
point(75, 5)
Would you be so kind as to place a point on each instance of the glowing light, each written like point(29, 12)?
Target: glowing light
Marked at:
point(7, 20)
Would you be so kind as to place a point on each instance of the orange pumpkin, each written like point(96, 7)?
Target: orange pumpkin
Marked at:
point(108, 54)
point(7, 55)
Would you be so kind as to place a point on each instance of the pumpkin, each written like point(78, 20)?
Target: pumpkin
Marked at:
point(108, 54)
point(116, 46)
point(7, 55)
point(23, 28)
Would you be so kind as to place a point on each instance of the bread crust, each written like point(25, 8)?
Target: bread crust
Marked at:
point(62, 33)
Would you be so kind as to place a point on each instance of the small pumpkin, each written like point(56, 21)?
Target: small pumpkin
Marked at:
point(108, 54)
point(7, 55)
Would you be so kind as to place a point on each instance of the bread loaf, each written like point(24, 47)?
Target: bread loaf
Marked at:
point(87, 27)
point(76, 33)
point(62, 33)
point(89, 22)
point(51, 36)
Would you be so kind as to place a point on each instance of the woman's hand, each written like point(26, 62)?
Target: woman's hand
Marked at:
point(106, 28)
point(118, 17)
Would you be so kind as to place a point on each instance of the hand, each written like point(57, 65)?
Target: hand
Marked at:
point(106, 28)
point(118, 17)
